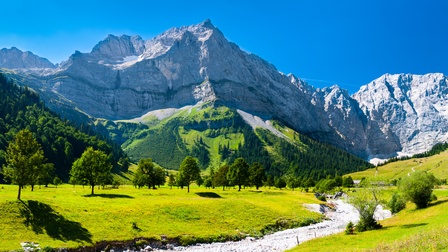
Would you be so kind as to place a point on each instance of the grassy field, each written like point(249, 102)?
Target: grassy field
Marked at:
point(410, 230)
point(435, 164)
point(68, 217)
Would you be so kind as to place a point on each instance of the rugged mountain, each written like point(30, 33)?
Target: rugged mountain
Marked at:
point(125, 77)
point(411, 112)
point(15, 58)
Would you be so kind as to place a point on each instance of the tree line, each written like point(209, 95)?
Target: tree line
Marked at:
point(27, 165)
point(61, 141)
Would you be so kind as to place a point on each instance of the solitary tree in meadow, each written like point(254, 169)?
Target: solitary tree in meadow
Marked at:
point(171, 181)
point(238, 173)
point(257, 175)
point(280, 182)
point(24, 160)
point(220, 178)
point(189, 171)
point(418, 188)
point(148, 174)
point(93, 166)
point(57, 181)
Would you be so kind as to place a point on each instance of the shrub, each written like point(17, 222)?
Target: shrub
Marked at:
point(322, 198)
point(418, 188)
point(350, 228)
point(396, 203)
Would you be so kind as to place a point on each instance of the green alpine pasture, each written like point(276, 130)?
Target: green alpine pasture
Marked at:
point(69, 217)
point(436, 164)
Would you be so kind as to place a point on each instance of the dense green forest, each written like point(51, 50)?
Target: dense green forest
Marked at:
point(218, 135)
point(62, 141)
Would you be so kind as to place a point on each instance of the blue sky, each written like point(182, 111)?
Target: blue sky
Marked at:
point(348, 43)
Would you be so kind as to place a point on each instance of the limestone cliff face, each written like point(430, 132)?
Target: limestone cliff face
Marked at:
point(411, 112)
point(125, 77)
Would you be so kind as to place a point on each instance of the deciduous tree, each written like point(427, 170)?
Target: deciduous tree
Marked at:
point(148, 174)
point(238, 173)
point(257, 175)
point(171, 181)
point(280, 183)
point(24, 160)
point(418, 188)
point(220, 178)
point(93, 166)
point(189, 171)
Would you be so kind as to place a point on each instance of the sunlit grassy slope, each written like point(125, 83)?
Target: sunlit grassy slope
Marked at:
point(68, 217)
point(437, 164)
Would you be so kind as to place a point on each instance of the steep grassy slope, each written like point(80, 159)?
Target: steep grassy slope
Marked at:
point(217, 135)
point(436, 164)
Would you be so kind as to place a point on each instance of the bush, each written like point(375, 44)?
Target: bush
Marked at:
point(350, 228)
point(366, 224)
point(418, 188)
point(322, 198)
point(396, 203)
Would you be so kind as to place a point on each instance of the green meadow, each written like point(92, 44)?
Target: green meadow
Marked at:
point(69, 217)
point(436, 164)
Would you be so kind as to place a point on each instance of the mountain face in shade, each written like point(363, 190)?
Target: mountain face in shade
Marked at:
point(125, 77)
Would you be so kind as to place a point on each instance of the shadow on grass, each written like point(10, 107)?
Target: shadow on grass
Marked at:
point(41, 217)
point(273, 193)
point(109, 196)
point(413, 225)
point(209, 195)
point(438, 202)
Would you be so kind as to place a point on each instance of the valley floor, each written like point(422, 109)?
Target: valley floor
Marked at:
point(280, 241)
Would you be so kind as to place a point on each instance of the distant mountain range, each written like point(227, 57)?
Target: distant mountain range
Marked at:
point(126, 77)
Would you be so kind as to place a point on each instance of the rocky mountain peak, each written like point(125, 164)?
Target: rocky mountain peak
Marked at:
point(16, 59)
point(115, 48)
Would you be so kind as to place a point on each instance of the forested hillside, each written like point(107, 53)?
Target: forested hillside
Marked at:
point(62, 142)
point(216, 135)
